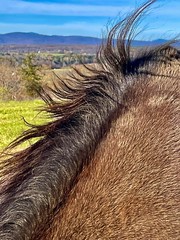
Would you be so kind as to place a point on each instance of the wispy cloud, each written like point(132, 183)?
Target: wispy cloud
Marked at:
point(51, 8)
point(81, 17)
point(23, 7)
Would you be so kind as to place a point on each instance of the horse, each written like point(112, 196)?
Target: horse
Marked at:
point(106, 165)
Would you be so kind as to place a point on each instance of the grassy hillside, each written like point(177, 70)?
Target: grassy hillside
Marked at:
point(11, 119)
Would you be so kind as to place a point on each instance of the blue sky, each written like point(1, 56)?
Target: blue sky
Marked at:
point(86, 17)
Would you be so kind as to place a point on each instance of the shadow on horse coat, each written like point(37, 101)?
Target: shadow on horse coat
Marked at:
point(107, 166)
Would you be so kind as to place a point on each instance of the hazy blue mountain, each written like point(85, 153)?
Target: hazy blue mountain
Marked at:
point(35, 38)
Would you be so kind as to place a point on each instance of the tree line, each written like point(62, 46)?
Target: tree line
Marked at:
point(22, 76)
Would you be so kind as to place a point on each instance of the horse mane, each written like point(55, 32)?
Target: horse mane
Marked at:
point(34, 182)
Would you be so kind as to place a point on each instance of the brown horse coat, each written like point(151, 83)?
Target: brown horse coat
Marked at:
point(107, 167)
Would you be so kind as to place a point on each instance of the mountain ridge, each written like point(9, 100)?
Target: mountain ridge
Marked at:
point(30, 38)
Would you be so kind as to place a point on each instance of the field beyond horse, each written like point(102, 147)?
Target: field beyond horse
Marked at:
point(11, 119)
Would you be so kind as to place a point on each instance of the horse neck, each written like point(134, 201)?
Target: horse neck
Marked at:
point(29, 204)
point(130, 182)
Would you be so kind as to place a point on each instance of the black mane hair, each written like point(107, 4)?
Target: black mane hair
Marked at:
point(35, 181)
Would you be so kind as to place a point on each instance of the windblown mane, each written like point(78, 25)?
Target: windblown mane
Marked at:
point(35, 182)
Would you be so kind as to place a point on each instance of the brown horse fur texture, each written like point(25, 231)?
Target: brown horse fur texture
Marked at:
point(107, 167)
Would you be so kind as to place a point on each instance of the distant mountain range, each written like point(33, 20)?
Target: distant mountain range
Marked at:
point(19, 38)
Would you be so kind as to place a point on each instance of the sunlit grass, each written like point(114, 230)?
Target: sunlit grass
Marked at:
point(11, 119)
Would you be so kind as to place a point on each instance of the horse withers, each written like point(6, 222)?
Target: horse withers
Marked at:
point(107, 166)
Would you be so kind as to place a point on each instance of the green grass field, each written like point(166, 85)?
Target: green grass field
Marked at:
point(11, 119)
